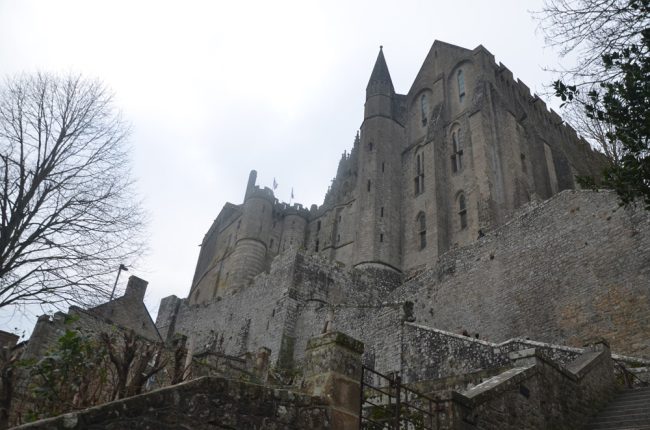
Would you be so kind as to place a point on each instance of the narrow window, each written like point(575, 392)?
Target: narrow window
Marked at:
point(456, 152)
point(316, 247)
point(339, 218)
point(382, 167)
point(381, 237)
point(338, 238)
point(238, 224)
point(369, 146)
point(318, 226)
point(424, 109)
point(381, 212)
point(419, 174)
point(523, 163)
point(271, 245)
point(462, 211)
point(461, 85)
point(422, 230)
point(368, 185)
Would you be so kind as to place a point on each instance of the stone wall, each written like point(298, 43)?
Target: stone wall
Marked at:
point(430, 354)
point(281, 309)
point(563, 271)
point(539, 394)
point(204, 403)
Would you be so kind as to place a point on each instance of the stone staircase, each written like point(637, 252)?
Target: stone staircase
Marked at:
point(630, 410)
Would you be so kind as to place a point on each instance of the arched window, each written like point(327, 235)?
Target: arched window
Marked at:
point(424, 109)
point(462, 211)
point(461, 85)
point(419, 174)
point(422, 229)
point(456, 152)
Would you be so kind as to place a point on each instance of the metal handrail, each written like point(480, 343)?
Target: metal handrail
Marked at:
point(400, 410)
point(627, 373)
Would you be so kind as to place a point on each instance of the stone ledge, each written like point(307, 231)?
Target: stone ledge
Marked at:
point(336, 338)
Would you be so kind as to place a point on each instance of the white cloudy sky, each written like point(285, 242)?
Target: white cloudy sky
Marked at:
point(214, 89)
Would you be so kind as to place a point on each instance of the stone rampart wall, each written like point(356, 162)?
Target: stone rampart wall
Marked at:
point(539, 394)
point(204, 403)
point(565, 271)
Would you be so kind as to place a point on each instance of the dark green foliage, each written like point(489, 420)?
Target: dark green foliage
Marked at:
point(70, 376)
point(624, 102)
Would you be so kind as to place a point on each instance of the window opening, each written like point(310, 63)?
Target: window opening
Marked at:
point(381, 237)
point(457, 152)
point(381, 212)
point(419, 177)
point(462, 211)
point(422, 230)
point(316, 247)
point(461, 85)
point(424, 108)
point(318, 226)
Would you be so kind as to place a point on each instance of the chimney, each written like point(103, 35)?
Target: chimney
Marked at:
point(136, 288)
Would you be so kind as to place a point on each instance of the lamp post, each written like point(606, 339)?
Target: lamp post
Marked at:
point(122, 267)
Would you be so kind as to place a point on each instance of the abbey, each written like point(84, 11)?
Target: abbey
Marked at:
point(453, 257)
point(430, 170)
point(456, 210)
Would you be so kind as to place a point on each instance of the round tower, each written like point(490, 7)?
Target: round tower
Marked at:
point(295, 227)
point(253, 233)
point(379, 188)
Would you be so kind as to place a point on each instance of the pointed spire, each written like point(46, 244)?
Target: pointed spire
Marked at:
point(380, 81)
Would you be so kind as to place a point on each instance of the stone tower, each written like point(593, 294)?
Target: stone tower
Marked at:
point(378, 239)
point(433, 169)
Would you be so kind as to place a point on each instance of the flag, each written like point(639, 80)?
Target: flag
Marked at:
point(291, 192)
point(275, 184)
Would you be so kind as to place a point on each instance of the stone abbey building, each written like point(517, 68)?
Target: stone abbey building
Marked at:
point(453, 254)
point(456, 209)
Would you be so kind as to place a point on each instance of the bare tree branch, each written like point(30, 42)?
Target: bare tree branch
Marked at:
point(68, 217)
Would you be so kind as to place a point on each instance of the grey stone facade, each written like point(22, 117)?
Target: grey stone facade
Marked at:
point(456, 209)
point(458, 154)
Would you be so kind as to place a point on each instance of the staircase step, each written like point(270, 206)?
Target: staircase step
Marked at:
point(619, 424)
point(628, 402)
point(643, 418)
point(622, 412)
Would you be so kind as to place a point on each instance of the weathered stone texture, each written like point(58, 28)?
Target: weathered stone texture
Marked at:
point(539, 394)
point(566, 270)
point(205, 403)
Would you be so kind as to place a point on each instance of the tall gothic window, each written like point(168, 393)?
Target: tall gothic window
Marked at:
point(422, 230)
point(419, 174)
point(462, 211)
point(456, 152)
point(424, 109)
point(461, 85)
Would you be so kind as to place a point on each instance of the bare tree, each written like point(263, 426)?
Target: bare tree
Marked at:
point(589, 30)
point(599, 134)
point(68, 213)
point(134, 360)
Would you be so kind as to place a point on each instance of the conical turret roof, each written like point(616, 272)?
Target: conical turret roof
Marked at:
point(380, 73)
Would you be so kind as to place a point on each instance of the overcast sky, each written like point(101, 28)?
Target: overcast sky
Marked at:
point(214, 89)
